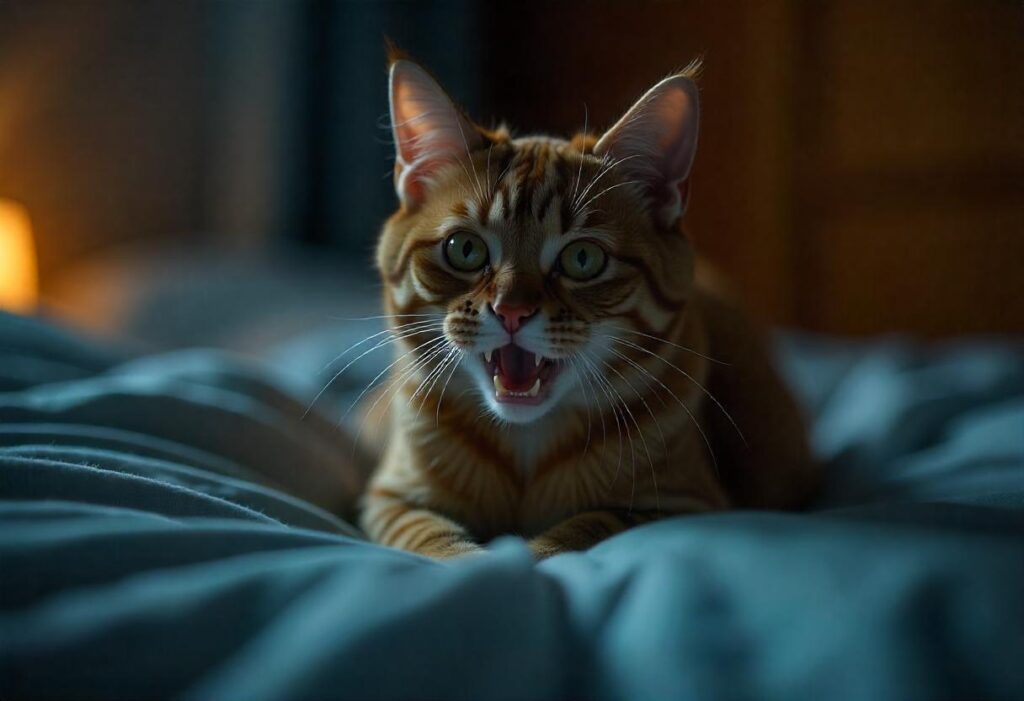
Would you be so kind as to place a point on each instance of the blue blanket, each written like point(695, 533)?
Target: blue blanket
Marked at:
point(168, 528)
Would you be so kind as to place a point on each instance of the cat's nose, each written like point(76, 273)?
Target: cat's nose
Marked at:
point(512, 316)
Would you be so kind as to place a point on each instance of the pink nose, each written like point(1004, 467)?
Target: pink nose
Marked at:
point(512, 316)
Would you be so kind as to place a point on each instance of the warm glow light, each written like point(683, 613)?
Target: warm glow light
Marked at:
point(19, 277)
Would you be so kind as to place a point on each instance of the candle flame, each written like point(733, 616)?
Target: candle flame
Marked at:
point(19, 277)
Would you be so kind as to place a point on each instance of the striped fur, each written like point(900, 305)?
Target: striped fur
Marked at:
point(624, 436)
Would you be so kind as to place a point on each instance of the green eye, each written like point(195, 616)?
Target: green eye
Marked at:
point(582, 260)
point(465, 251)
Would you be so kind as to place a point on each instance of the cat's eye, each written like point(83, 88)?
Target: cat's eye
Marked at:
point(465, 251)
point(582, 260)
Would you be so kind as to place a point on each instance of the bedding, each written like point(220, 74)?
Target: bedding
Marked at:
point(171, 525)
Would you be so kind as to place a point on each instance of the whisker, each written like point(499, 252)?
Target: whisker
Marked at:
point(395, 383)
point(657, 424)
point(640, 432)
point(455, 367)
point(579, 174)
point(608, 189)
point(427, 345)
point(433, 355)
point(376, 317)
point(478, 188)
point(595, 386)
point(600, 384)
point(443, 349)
point(501, 176)
point(670, 343)
point(605, 386)
point(350, 363)
point(487, 178)
point(691, 379)
point(397, 329)
point(604, 167)
point(586, 401)
point(604, 171)
point(700, 429)
point(436, 373)
point(600, 415)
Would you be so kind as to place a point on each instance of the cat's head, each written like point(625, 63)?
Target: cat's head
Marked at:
point(524, 258)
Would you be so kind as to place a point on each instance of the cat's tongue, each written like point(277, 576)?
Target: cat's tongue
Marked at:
point(517, 368)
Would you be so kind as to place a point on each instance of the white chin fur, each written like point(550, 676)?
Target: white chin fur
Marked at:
point(519, 413)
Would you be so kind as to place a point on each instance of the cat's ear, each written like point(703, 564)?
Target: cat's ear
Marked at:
point(429, 130)
point(654, 143)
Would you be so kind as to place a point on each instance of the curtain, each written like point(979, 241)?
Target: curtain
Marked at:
point(298, 126)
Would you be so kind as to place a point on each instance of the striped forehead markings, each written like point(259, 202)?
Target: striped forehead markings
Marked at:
point(535, 182)
point(498, 209)
point(527, 186)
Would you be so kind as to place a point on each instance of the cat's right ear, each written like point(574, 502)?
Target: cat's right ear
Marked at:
point(654, 143)
point(429, 130)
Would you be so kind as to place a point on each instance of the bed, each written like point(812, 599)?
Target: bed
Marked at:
point(174, 524)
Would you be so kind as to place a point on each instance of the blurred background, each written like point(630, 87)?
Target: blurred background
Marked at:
point(215, 172)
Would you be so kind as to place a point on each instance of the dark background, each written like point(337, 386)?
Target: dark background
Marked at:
point(861, 167)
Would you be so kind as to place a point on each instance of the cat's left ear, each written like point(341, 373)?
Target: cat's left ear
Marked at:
point(429, 130)
point(654, 143)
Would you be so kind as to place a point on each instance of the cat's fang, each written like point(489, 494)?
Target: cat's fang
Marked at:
point(501, 391)
point(537, 360)
point(488, 354)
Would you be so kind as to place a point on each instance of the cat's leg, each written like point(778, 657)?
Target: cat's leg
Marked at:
point(583, 530)
point(390, 520)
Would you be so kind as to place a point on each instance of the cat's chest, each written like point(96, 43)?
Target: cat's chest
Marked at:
point(536, 509)
point(553, 490)
point(532, 497)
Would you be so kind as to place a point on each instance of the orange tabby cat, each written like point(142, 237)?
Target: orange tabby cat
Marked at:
point(559, 376)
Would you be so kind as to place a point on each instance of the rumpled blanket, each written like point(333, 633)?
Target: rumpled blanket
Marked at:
point(169, 526)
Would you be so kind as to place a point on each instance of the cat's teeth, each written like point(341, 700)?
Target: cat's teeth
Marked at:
point(538, 359)
point(488, 354)
point(501, 391)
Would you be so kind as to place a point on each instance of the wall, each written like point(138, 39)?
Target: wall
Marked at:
point(100, 120)
point(861, 166)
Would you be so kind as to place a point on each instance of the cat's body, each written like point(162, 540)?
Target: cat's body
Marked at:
point(559, 375)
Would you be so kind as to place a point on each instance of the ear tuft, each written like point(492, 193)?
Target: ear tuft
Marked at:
point(693, 70)
point(393, 51)
point(429, 130)
point(655, 142)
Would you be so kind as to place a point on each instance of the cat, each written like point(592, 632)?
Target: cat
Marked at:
point(559, 375)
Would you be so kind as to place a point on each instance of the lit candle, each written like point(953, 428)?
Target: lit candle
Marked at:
point(19, 277)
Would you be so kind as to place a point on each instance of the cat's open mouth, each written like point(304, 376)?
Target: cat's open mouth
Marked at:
point(520, 377)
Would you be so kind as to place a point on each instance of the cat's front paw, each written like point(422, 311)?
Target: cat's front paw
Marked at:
point(450, 548)
point(543, 548)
